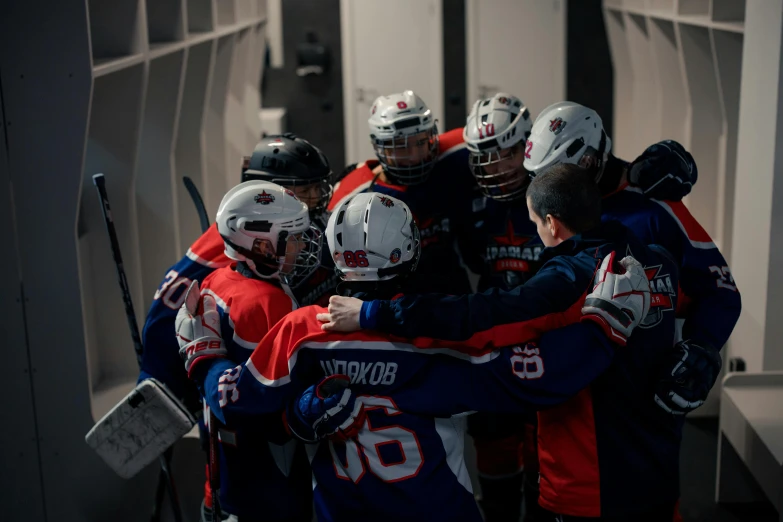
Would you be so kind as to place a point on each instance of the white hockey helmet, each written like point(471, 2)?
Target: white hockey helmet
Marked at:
point(567, 132)
point(404, 135)
point(268, 227)
point(495, 135)
point(373, 237)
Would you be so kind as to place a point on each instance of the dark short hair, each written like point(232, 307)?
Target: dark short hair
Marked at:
point(569, 193)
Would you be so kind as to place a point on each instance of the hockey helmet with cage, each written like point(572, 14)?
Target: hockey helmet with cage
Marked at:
point(404, 135)
point(294, 163)
point(567, 132)
point(373, 237)
point(495, 135)
point(268, 227)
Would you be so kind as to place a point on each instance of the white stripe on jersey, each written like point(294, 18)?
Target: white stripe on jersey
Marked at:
point(367, 345)
point(452, 433)
point(201, 261)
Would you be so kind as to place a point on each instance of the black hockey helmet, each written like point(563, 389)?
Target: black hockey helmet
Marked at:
point(294, 163)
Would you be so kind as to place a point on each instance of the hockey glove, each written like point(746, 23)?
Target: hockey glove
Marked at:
point(328, 409)
point(198, 329)
point(688, 378)
point(664, 171)
point(620, 299)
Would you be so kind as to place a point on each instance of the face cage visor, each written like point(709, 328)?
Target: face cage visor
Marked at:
point(500, 173)
point(295, 257)
point(408, 160)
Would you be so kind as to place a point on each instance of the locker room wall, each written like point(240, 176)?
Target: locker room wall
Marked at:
point(145, 92)
point(707, 74)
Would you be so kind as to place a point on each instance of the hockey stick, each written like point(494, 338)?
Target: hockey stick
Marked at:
point(99, 180)
point(214, 466)
point(203, 217)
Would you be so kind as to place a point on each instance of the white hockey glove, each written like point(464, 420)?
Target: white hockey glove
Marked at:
point(198, 329)
point(620, 299)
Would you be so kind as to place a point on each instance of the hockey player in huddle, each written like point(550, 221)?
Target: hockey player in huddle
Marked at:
point(503, 247)
point(286, 160)
point(426, 170)
point(407, 398)
point(267, 232)
point(570, 133)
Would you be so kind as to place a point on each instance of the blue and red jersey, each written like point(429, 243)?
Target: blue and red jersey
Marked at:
point(405, 463)
point(438, 205)
point(710, 303)
point(585, 453)
point(260, 477)
point(161, 358)
point(502, 245)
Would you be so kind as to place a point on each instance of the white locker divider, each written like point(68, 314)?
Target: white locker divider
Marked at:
point(677, 67)
point(189, 152)
point(132, 92)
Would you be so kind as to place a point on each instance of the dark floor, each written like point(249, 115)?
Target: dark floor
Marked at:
point(699, 453)
point(698, 467)
point(698, 461)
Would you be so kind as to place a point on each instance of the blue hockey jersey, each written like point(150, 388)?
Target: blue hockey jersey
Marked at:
point(161, 352)
point(407, 461)
point(438, 205)
point(263, 473)
point(502, 245)
point(161, 358)
point(584, 454)
point(711, 303)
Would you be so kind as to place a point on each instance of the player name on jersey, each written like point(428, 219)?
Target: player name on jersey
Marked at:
point(362, 372)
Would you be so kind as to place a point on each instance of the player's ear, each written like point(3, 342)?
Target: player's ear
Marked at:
point(553, 224)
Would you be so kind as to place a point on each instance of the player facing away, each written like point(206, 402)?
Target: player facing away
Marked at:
point(267, 232)
point(502, 245)
point(405, 461)
point(426, 170)
point(287, 160)
point(588, 442)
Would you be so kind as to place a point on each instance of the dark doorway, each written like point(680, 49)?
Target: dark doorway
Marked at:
point(589, 73)
point(314, 102)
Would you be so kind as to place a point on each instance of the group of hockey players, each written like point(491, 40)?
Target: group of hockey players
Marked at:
point(332, 337)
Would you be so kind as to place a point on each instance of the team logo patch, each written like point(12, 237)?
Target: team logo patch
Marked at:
point(503, 100)
point(265, 198)
point(662, 295)
point(509, 252)
point(395, 255)
point(373, 109)
point(386, 201)
point(557, 125)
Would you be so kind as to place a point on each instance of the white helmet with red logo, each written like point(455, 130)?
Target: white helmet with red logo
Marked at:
point(405, 137)
point(373, 237)
point(567, 132)
point(495, 135)
point(268, 227)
